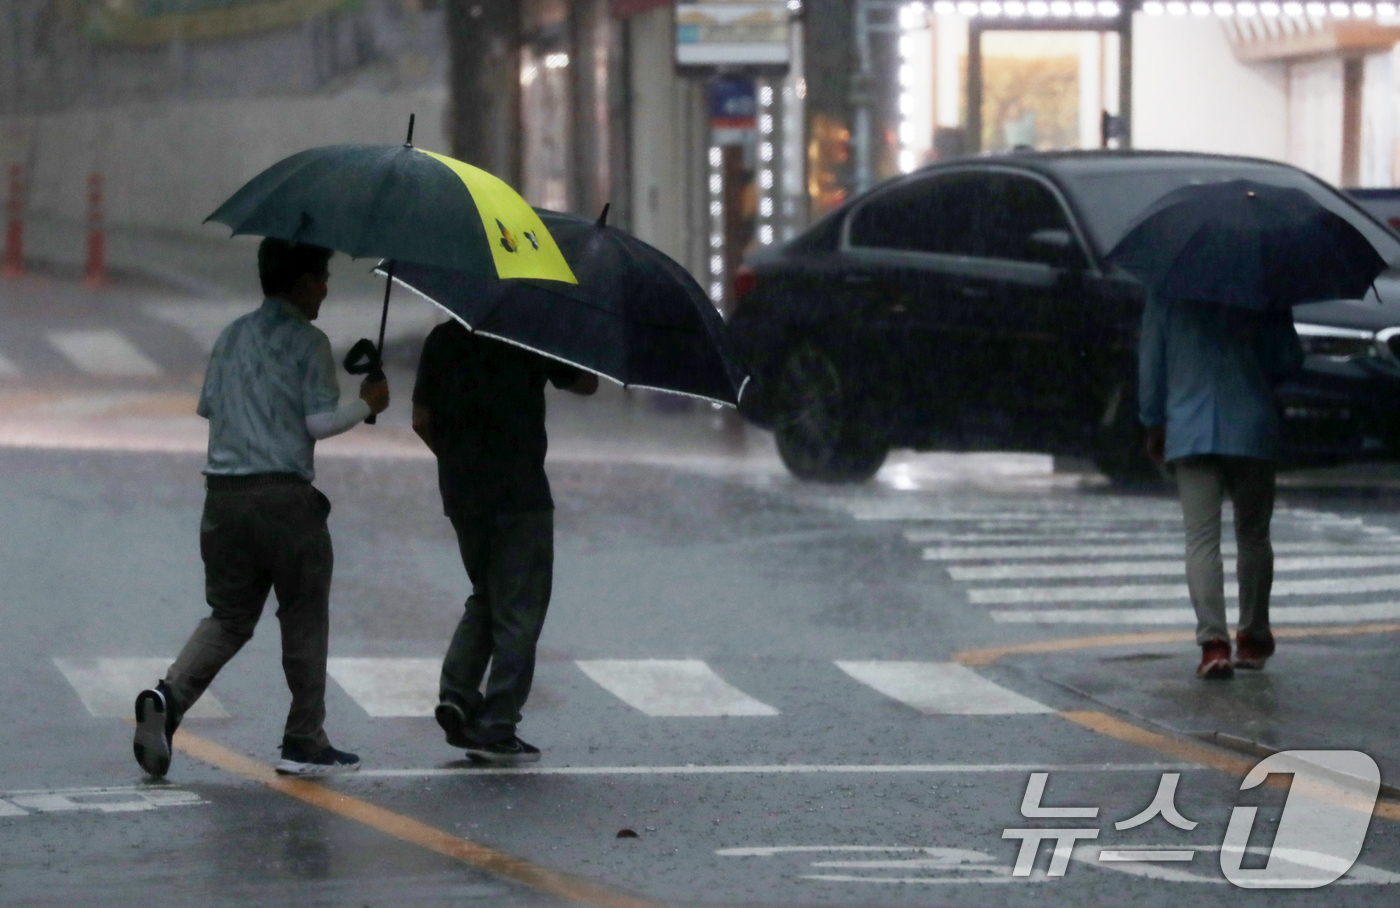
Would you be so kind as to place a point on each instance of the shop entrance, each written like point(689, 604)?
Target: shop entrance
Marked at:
point(1047, 90)
point(1045, 86)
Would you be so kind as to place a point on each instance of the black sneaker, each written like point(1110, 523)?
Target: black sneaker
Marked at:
point(327, 761)
point(453, 720)
point(155, 727)
point(510, 752)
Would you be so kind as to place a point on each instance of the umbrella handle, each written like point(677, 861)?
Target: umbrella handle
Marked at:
point(363, 359)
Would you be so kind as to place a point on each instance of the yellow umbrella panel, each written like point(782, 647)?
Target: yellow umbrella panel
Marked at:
point(520, 244)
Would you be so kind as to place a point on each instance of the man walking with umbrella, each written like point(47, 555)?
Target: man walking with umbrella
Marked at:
point(1223, 263)
point(479, 405)
point(1206, 395)
point(269, 394)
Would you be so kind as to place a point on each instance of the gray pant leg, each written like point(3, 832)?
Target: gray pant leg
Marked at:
point(236, 584)
point(302, 563)
point(252, 540)
point(1200, 482)
point(1251, 486)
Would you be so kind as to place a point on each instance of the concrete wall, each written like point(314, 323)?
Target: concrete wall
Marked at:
point(1191, 94)
point(667, 143)
point(167, 165)
point(1315, 117)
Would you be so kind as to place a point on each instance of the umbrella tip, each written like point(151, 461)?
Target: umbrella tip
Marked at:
point(603, 218)
point(408, 142)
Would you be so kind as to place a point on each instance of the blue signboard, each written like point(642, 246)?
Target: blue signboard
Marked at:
point(733, 102)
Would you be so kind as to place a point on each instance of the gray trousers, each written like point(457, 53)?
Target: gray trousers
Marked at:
point(510, 561)
point(252, 541)
point(1203, 482)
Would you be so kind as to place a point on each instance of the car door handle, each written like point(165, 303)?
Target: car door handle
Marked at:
point(974, 291)
point(857, 278)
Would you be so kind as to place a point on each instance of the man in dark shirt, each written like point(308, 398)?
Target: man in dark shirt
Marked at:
point(479, 406)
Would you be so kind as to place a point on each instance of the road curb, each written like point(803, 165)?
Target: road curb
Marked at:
point(1256, 749)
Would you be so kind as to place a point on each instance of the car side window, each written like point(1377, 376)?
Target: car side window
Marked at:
point(935, 214)
point(1023, 221)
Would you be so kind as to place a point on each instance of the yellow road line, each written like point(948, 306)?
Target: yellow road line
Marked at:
point(992, 654)
point(407, 829)
point(1191, 752)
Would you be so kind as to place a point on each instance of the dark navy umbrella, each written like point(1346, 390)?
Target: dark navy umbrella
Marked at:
point(1250, 244)
point(635, 316)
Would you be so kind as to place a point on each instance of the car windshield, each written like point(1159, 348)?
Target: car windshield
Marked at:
point(1113, 195)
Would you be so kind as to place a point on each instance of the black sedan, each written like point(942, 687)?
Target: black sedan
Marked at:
point(965, 307)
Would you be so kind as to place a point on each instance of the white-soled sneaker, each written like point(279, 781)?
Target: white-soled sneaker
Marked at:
point(510, 752)
point(155, 727)
point(328, 761)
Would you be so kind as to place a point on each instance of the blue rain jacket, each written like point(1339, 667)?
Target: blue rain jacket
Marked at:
point(1208, 372)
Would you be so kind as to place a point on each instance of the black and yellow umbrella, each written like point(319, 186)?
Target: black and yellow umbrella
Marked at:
point(399, 203)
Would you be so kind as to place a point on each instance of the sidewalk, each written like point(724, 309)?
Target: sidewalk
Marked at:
point(1326, 688)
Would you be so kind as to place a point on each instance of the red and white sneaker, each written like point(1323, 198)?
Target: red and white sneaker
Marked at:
point(1215, 661)
point(1252, 652)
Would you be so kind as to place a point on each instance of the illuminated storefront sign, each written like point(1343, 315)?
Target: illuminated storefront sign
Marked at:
point(732, 34)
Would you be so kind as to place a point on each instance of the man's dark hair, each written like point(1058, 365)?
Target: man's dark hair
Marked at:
point(281, 262)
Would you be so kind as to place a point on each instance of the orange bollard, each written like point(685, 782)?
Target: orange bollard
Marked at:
point(14, 228)
point(95, 274)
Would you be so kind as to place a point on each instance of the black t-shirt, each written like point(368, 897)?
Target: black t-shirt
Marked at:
point(487, 402)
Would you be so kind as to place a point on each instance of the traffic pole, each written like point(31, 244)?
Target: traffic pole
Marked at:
point(14, 228)
point(95, 274)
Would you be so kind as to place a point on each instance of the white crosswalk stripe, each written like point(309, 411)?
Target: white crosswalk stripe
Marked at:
point(108, 687)
point(1032, 552)
point(394, 687)
point(1138, 592)
point(914, 507)
point(1154, 568)
point(984, 541)
point(387, 687)
point(672, 687)
point(941, 688)
point(991, 537)
point(1278, 614)
point(1108, 519)
point(102, 352)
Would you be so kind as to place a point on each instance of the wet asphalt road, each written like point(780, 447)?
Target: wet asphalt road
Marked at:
point(878, 670)
point(818, 789)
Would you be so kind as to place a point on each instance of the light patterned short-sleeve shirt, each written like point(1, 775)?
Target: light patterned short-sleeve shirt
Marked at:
point(270, 369)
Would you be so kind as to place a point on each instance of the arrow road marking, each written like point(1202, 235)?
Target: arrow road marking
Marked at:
point(102, 800)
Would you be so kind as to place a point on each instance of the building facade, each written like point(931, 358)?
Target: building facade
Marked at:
point(708, 136)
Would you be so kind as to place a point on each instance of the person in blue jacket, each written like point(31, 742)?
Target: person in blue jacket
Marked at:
point(1206, 386)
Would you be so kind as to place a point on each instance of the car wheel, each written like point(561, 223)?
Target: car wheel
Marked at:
point(1119, 452)
point(818, 427)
